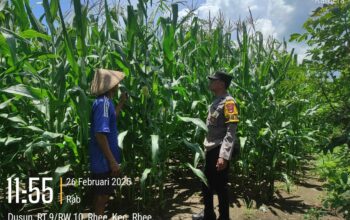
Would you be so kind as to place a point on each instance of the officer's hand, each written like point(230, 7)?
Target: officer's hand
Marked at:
point(221, 164)
point(115, 169)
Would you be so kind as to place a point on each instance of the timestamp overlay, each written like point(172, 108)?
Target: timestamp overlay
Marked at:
point(43, 193)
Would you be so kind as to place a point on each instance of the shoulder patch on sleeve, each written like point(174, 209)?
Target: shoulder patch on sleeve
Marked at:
point(230, 111)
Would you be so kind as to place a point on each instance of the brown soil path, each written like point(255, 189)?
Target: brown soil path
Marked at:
point(303, 202)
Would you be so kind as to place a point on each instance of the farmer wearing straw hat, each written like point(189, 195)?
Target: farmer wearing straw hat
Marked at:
point(219, 144)
point(104, 151)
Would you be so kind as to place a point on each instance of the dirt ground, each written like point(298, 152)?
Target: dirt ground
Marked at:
point(303, 202)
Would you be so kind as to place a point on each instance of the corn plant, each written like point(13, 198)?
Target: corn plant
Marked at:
point(46, 65)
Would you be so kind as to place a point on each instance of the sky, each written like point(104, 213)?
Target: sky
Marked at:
point(279, 18)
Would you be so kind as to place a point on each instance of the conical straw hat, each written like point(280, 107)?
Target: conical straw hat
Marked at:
point(105, 80)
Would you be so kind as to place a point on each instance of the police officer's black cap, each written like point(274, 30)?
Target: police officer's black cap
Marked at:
point(220, 75)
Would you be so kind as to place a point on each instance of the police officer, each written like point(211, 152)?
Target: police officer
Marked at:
point(222, 123)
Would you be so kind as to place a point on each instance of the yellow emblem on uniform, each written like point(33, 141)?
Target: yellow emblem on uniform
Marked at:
point(231, 112)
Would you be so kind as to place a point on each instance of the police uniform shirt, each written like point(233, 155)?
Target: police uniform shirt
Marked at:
point(222, 122)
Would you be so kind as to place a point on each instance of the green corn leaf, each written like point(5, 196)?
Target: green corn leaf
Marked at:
point(10, 140)
point(6, 103)
point(68, 44)
point(195, 147)
point(81, 27)
point(21, 13)
point(198, 122)
point(62, 170)
point(50, 14)
point(121, 137)
point(197, 157)
point(27, 91)
point(8, 43)
point(5, 49)
point(155, 148)
point(242, 140)
point(54, 7)
point(33, 20)
point(51, 135)
point(108, 19)
point(29, 34)
point(144, 176)
point(17, 119)
point(198, 173)
point(175, 11)
point(69, 141)
point(34, 128)
point(2, 5)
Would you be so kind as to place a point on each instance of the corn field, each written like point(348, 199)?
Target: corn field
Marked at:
point(48, 62)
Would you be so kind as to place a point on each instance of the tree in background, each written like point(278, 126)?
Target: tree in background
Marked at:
point(328, 35)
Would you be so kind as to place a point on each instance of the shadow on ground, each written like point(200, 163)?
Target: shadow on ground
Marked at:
point(184, 198)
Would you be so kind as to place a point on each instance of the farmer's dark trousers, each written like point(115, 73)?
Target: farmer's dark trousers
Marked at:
point(217, 181)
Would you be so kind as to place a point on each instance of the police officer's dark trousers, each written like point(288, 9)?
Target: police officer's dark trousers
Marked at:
point(217, 181)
